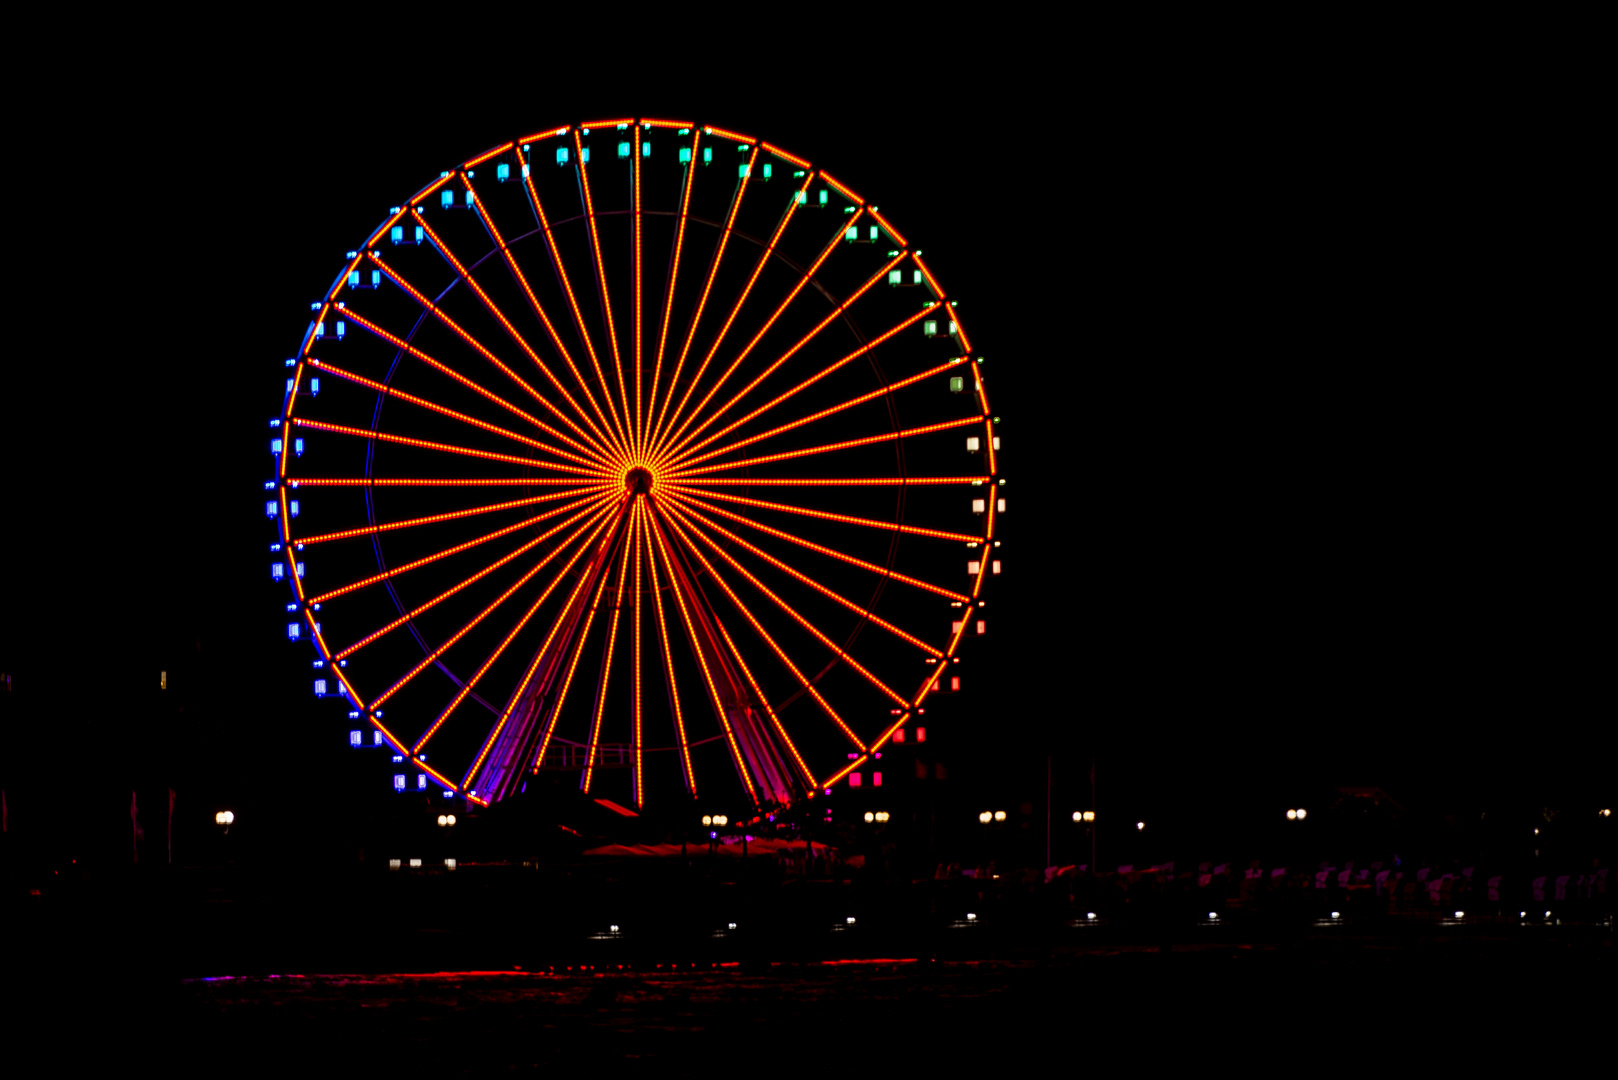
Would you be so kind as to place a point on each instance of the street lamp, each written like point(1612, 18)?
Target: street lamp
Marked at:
point(446, 819)
point(985, 817)
point(869, 817)
point(1297, 815)
point(224, 817)
point(999, 815)
point(1139, 825)
point(882, 815)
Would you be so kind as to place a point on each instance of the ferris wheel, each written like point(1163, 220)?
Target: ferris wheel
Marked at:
point(642, 451)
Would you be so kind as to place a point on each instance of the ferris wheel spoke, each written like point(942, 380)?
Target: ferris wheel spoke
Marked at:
point(678, 588)
point(533, 302)
point(603, 680)
point(639, 435)
point(803, 280)
point(595, 574)
point(574, 502)
point(511, 331)
point(578, 492)
point(775, 365)
point(626, 428)
point(686, 499)
point(823, 515)
point(572, 303)
point(675, 425)
point(836, 365)
point(589, 442)
point(690, 514)
point(446, 448)
point(443, 369)
point(668, 663)
point(599, 520)
point(412, 399)
point(452, 590)
point(707, 287)
point(688, 462)
point(827, 448)
point(635, 538)
point(780, 654)
point(428, 481)
point(791, 611)
point(674, 277)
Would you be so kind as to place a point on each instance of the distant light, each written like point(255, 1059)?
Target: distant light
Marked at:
point(1302, 813)
point(869, 817)
point(415, 863)
point(450, 819)
point(1140, 825)
point(999, 815)
point(613, 928)
point(393, 864)
point(1078, 815)
point(162, 680)
point(851, 920)
point(224, 817)
point(707, 819)
point(1606, 813)
point(1292, 815)
point(442, 820)
point(1089, 815)
point(449, 864)
point(730, 926)
point(1336, 915)
point(985, 817)
point(1536, 832)
point(721, 819)
point(971, 917)
point(1460, 914)
point(1089, 915)
point(882, 815)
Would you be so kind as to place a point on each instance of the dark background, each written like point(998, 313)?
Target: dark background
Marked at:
point(1294, 508)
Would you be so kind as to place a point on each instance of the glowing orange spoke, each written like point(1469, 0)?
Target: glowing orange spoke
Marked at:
point(811, 380)
point(691, 514)
point(782, 604)
point(511, 331)
point(686, 463)
point(702, 661)
point(606, 301)
point(668, 664)
point(401, 343)
point(759, 629)
point(707, 286)
point(572, 302)
point(453, 515)
point(826, 448)
point(573, 500)
point(592, 508)
point(495, 655)
point(674, 275)
point(687, 500)
point(604, 680)
point(366, 481)
point(887, 526)
point(452, 414)
point(594, 437)
point(534, 304)
point(838, 313)
point(675, 424)
point(640, 435)
point(447, 448)
point(572, 664)
point(600, 519)
point(636, 537)
point(788, 481)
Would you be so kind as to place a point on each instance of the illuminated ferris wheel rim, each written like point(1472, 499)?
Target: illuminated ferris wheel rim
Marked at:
point(645, 476)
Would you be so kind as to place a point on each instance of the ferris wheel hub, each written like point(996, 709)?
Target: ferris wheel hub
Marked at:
point(638, 480)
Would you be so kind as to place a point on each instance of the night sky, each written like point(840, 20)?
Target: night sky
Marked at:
point(1280, 524)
